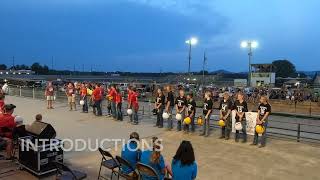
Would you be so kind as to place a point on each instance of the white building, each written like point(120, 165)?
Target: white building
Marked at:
point(262, 75)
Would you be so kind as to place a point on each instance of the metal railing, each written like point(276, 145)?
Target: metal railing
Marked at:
point(298, 131)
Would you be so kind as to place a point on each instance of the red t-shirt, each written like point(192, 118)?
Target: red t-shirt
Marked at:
point(7, 121)
point(129, 96)
point(113, 94)
point(83, 92)
point(49, 91)
point(70, 91)
point(134, 100)
point(97, 94)
point(118, 98)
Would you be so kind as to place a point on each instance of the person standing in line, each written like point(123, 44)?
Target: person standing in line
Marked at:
point(70, 93)
point(49, 94)
point(112, 96)
point(181, 102)
point(191, 111)
point(84, 97)
point(134, 105)
point(169, 106)
point(97, 98)
point(159, 106)
point(241, 107)
point(119, 105)
point(225, 115)
point(129, 90)
point(207, 110)
point(264, 110)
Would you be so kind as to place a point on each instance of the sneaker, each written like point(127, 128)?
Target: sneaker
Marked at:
point(262, 146)
point(222, 137)
point(253, 144)
point(202, 134)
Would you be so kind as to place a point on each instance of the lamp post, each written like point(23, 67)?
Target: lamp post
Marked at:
point(250, 45)
point(191, 42)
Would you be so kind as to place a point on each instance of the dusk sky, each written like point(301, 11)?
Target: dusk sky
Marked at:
point(150, 35)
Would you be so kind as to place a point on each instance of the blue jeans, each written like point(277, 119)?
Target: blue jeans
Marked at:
point(244, 130)
point(263, 137)
point(206, 125)
point(97, 106)
point(119, 112)
point(85, 106)
point(135, 116)
point(186, 127)
point(170, 121)
point(159, 117)
point(179, 123)
point(113, 110)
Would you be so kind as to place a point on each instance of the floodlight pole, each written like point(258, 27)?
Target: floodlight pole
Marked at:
point(250, 59)
point(189, 70)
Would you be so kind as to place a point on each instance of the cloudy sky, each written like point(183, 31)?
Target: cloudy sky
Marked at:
point(149, 35)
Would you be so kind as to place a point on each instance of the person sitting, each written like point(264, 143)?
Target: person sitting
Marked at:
point(38, 118)
point(7, 124)
point(154, 159)
point(183, 164)
point(20, 129)
point(130, 152)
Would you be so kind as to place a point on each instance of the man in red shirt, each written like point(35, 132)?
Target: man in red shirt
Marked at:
point(129, 89)
point(71, 94)
point(7, 124)
point(134, 105)
point(84, 97)
point(49, 93)
point(112, 95)
point(97, 98)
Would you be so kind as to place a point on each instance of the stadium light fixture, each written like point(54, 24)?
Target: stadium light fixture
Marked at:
point(250, 45)
point(191, 42)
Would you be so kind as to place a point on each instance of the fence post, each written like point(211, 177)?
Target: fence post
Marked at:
point(20, 91)
point(33, 95)
point(310, 108)
point(143, 110)
point(298, 133)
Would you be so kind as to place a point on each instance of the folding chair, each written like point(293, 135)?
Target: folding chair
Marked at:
point(147, 172)
point(124, 163)
point(65, 173)
point(108, 162)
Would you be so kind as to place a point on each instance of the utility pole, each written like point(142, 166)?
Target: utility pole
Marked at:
point(51, 62)
point(13, 64)
point(203, 67)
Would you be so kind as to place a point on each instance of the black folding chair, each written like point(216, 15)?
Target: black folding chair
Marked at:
point(109, 162)
point(147, 172)
point(125, 164)
point(65, 173)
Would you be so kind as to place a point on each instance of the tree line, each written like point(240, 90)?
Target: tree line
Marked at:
point(282, 68)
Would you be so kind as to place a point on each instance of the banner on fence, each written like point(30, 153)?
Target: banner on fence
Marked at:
point(251, 122)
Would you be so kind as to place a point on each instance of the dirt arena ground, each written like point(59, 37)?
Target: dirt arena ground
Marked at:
point(217, 159)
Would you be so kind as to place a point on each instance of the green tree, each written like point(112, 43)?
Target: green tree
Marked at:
point(3, 67)
point(284, 68)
